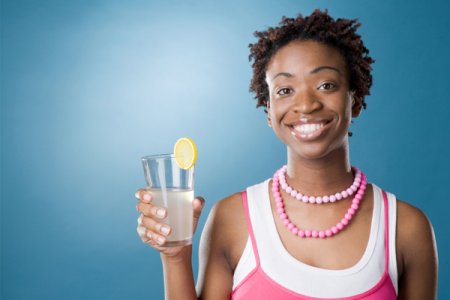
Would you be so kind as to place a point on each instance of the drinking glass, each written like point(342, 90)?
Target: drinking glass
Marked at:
point(172, 188)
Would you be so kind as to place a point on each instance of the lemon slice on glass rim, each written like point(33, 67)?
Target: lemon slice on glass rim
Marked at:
point(185, 153)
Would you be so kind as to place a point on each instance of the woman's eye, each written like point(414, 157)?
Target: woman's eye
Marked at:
point(327, 86)
point(284, 91)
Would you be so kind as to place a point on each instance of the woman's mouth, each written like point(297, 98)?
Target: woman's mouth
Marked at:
point(308, 130)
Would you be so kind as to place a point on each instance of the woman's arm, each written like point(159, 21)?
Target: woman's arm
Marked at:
point(223, 237)
point(222, 243)
point(177, 261)
point(178, 276)
point(417, 254)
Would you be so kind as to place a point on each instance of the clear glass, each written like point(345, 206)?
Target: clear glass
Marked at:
point(173, 189)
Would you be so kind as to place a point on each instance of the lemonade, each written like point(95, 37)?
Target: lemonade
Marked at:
point(179, 207)
point(170, 178)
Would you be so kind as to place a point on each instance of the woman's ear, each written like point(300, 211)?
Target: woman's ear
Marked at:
point(269, 120)
point(356, 105)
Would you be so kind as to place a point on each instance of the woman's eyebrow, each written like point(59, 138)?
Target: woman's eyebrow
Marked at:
point(321, 68)
point(314, 71)
point(285, 74)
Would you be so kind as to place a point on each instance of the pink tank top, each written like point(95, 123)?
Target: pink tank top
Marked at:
point(257, 285)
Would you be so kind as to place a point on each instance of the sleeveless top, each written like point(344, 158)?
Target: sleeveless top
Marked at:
point(267, 271)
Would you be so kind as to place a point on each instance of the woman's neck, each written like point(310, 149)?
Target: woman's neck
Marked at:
point(322, 176)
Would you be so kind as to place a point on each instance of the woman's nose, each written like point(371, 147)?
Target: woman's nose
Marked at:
point(306, 102)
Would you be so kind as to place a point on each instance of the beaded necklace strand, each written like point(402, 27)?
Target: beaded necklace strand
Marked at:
point(306, 233)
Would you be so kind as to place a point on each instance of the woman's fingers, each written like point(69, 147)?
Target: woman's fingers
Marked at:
point(157, 238)
point(143, 195)
point(151, 231)
point(154, 226)
point(147, 237)
point(146, 208)
point(151, 211)
point(142, 231)
point(197, 205)
point(150, 238)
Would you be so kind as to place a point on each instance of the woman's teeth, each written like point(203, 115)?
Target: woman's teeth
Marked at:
point(308, 128)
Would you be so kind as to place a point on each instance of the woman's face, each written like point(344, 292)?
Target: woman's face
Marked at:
point(310, 105)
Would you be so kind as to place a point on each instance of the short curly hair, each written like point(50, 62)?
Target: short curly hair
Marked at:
point(320, 27)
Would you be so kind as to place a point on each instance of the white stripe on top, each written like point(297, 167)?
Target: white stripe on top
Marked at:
point(308, 280)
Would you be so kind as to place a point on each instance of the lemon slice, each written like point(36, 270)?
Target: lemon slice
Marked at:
point(185, 153)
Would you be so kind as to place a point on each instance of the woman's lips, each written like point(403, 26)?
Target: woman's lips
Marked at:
point(309, 130)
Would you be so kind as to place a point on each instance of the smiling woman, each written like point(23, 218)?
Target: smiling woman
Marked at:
point(318, 229)
point(310, 99)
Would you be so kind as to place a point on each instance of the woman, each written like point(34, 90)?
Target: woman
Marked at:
point(317, 229)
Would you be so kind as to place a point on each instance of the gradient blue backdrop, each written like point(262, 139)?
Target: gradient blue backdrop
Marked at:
point(88, 87)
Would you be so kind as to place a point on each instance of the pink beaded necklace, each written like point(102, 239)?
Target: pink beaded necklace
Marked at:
point(324, 199)
point(316, 233)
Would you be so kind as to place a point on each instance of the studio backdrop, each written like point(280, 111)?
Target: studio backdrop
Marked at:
point(88, 87)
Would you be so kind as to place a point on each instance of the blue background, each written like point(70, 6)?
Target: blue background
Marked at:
point(88, 87)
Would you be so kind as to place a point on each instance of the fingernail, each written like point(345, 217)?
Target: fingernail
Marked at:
point(161, 212)
point(137, 209)
point(146, 197)
point(160, 240)
point(165, 230)
point(202, 201)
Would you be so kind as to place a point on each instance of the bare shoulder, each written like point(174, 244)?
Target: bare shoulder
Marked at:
point(413, 226)
point(227, 214)
point(226, 228)
point(416, 253)
point(221, 245)
point(229, 208)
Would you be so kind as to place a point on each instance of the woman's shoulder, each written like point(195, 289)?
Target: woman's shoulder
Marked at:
point(416, 251)
point(412, 223)
point(231, 207)
point(225, 229)
point(226, 216)
point(411, 220)
point(415, 235)
point(231, 202)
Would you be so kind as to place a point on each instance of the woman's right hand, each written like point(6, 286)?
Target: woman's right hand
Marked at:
point(151, 227)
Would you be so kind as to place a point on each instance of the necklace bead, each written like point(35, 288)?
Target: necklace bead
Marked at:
point(318, 199)
point(361, 183)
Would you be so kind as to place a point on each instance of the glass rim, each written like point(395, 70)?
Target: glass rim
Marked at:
point(157, 156)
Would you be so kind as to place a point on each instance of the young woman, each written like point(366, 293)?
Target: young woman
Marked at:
point(317, 229)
